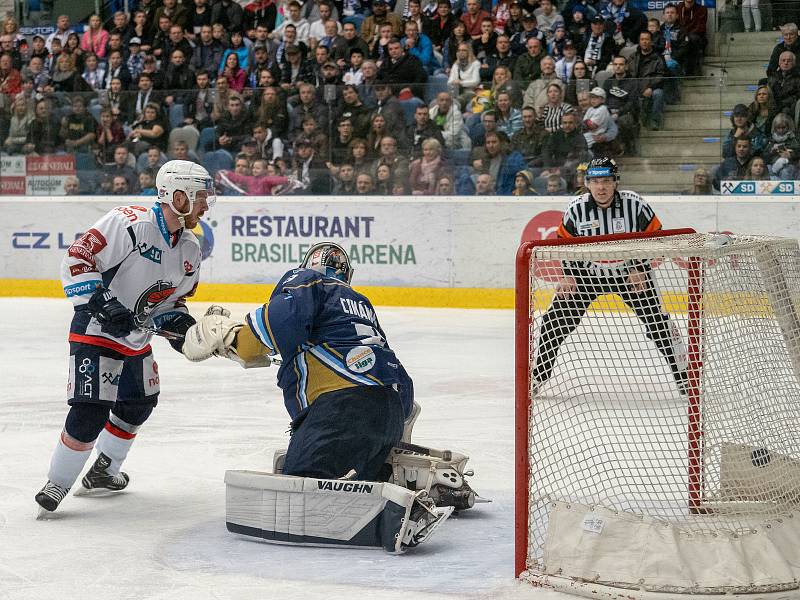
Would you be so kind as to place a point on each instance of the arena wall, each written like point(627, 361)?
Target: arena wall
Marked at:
point(439, 252)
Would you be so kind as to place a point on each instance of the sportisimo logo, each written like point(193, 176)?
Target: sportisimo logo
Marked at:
point(81, 289)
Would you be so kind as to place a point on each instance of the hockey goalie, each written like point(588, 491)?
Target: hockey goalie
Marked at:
point(350, 475)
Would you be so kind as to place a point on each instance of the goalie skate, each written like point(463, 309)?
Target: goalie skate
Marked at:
point(99, 482)
point(425, 518)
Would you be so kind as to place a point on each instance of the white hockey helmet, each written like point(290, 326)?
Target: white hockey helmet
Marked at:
point(188, 177)
point(330, 259)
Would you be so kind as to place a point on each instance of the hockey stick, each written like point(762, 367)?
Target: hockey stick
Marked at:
point(169, 335)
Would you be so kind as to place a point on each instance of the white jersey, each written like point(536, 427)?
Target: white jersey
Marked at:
point(131, 252)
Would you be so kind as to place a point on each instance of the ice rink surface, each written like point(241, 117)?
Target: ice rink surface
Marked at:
point(164, 537)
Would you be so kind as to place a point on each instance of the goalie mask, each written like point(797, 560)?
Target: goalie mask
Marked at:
point(329, 259)
point(187, 177)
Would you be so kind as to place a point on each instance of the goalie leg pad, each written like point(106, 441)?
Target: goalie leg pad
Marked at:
point(307, 511)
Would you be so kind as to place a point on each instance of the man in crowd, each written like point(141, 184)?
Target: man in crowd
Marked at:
point(649, 69)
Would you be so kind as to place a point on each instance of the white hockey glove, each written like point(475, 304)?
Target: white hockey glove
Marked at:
point(216, 309)
point(213, 334)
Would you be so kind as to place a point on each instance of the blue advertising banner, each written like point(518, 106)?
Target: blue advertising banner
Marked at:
point(660, 4)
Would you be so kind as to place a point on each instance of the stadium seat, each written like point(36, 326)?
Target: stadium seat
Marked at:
point(187, 134)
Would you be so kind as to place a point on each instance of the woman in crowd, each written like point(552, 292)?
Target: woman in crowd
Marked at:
point(456, 38)
point(464, 73)
point(233, 72)
point(66, 77)
point(150, 131)
point(502, 82)
point(73, 48)
point(579, 81)
point(741, 126)
point(426, 171)
point(377, 131)
point(701, 183)
point(384, 181)
point(19, 125)
point(763, 109)
point(358, 154)
point(501, 14)
point(11, 27)
point(95, 38)
point(238, 48)
point(550, 115)
point(109, 135)
point(757, 170)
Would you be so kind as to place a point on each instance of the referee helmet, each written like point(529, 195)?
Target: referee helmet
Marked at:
point(602, 166)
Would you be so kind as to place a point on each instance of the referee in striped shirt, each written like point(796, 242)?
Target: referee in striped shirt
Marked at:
point(605, 210)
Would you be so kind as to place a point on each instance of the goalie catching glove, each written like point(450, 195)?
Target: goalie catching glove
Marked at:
point(215, 334)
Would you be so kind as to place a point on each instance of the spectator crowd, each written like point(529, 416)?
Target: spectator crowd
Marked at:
point(762, 143)
point(359, 96)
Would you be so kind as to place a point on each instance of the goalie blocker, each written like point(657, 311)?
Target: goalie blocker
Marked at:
point(307, 511)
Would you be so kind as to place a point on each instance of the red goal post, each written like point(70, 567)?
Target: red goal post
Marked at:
point(658, 449)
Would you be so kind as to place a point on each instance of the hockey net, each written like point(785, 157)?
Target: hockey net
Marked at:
point(628, 486)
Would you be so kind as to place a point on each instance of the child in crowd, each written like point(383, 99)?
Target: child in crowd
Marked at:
point(597, 121)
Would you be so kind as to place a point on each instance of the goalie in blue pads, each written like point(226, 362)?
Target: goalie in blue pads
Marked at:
point(345, 390)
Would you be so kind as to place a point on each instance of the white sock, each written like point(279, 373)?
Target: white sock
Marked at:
point(68, 459)
point(115, 441)
point(748, 23)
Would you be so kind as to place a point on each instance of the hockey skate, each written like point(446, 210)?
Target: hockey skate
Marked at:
point(49, 497)
point(99, 481)
point(425, 518)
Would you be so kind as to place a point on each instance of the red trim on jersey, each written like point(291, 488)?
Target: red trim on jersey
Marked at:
point(117, 432)
point(106, 343)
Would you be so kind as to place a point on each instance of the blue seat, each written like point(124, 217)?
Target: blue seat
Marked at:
point(409, 108)
point(176, 115)
point(217, 161)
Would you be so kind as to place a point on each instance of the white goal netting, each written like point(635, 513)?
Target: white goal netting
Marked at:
point(662, 431)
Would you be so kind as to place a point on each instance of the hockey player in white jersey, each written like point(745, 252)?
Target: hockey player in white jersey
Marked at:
point(130, 272)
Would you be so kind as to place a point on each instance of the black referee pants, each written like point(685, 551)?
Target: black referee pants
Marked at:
point(565, 314)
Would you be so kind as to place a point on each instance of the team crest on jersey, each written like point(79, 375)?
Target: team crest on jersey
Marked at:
point(152, 297)
point(150, 252)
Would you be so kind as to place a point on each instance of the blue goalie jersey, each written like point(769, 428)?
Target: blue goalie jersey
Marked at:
point(329, 339)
